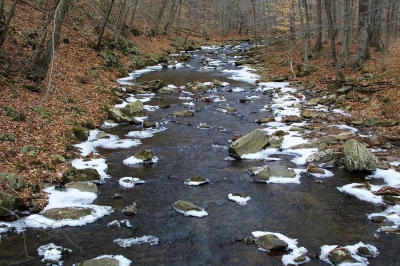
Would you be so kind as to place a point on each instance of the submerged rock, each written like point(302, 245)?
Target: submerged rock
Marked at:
point(85, 186)
point(130, 210)
point(271, 242)
point(196, 181)
point(73, 213)
point(186, 113)
point(134, 109)
point(341, 255)
point(100, 262)
point(357, 157)
point(250, 143)
point(73, 174)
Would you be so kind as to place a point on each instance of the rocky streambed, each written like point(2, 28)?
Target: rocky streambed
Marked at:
point(201, 164)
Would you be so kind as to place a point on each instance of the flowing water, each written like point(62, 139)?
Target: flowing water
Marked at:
point(314, 213)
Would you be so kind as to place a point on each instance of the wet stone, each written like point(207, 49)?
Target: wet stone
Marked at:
point(100, 262)
point(130, 210)
point(364, 252)
point(183, 113)
point(378, 219)
point(186, 206)
point(271, 243)
point(340, 255)
point(145, 155)
point(85, 186)
point(250, 143)
point(73, 213)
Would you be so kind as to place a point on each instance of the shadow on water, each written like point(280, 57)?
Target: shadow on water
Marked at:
point(314, 213)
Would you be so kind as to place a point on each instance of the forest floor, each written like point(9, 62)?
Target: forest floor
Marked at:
point(39, 125)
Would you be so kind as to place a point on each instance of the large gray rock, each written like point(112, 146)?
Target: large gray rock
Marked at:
point(13, 181)
point(8, 203)
point(340, 255)
point(85, 186)
point(100, 262)
point(323, 156)
point(263, 173)
point(73, 213)
point(250, 143)
point(357, 157)
point(73, 174)
point(196, 87)
point(117, 115)
point(134, 109)
point(271, 242)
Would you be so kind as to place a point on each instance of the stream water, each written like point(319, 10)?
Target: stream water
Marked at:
point(314, 213)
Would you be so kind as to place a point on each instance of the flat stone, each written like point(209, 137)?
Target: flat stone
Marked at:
point(85, 186)
point(266, 119)
point(73, 174)
point(185, 206)
point(130, 210)
point(184, 113)
point(100, 262)
point(73, 213)
point(271, 243)
point(321, 156)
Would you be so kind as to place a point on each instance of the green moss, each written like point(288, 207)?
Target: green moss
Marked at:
point(13, 114)
point(81, 133)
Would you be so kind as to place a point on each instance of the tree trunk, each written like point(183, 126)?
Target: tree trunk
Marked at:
point(38, 67)
point(133, 13)
point(347, 29)
point(374, 31)
point(338, 67)
point(292, 21)
point(253, 11)
point(307, 40)
point(172, 14)
point(159, 17)
point(318, 43)
point(362, 36)
point(4, 27)
point(104, 26)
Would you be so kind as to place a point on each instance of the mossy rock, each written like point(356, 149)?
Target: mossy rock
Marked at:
point(134, 109)
point(8, 202)
point(271, 242)
point(73, 174)
point(57, 158)
point(13, 181)
point(73, 213)
point(81, 133)
point(100, 262)
point(85, 186)
point(185, 113)
point(340, 255)
point(266, 119)
point(145, 155)
point(29, 149)
point(185, 206)
point(6, 137)
point(90, 124)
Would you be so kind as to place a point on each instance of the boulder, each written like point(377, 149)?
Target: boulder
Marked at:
point(73, 174)
point(73, 213)
point(323, 156)
point(57, 158)
point(13, 181)
point(145, 155)
point(151, 86)
point(305, 70)
point(196, 87)
point(250, 143)
point(185, 113)
point(8, 202)
point(340, 255)
point(134, 109)
point(85, 186)
point(357, 157)
point(117, 115)
point(276, 141)
point(100, 262)
point(260, 174)
point(271, 242)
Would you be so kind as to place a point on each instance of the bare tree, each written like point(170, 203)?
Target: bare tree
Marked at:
point(5, 26)
point(362, 36)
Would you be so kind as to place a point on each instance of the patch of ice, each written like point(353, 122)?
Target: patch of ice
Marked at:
point(262, 155)
point(95, 163)
point(362, 193)
point(253, 97)
point(122, 261)
point(147, 133)
point(394, 163)
point(238, 89)
point(120, 223)
point(242, 74)
point(287, 259)
point(112, 142)
point(131, 161)
point(326, 249)
point(185, 98)
point(52, 254)
point(346, 127)
point(263, 86)
point(190, 104)
point(130, 182)
point(107, 124)
point(390, 177)
point(127, 242)
point(326, 175)
point(238, 199)
point(287, 180)
point(340, 111)
point(150, 108)
point(193, 213)
point(301, 155)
